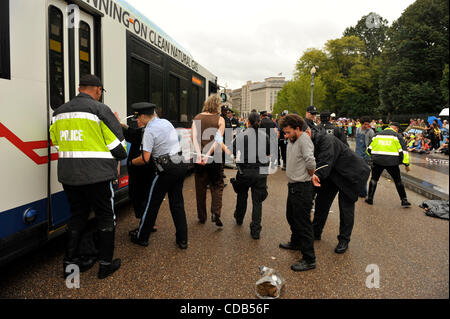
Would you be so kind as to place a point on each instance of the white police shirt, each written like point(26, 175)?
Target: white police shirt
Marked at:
point(160, 138)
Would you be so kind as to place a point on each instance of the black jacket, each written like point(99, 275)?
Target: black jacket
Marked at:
point(332, 129)
point(337, 162)
point(89, 170)
point(255, 148)
point(139, 176)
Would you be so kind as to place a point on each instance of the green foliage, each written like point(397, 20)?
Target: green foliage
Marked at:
point(372, 30)
point(296, 95)
point(414, 59)
point(444, 84)
point(381, 70)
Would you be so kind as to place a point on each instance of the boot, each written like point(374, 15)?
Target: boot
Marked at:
point(107, 269)
point(405, 203)
point(106, 253)
point(73, 238)
point(371, 193)
point(401, 191)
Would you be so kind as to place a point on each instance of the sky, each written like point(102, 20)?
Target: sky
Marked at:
point(242, 40)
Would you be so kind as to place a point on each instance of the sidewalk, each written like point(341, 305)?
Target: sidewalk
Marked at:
point(429, 175)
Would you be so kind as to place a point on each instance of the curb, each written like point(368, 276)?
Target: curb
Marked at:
point(421, 187)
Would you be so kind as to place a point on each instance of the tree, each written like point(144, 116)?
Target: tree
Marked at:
point(372, 29)
point(295, 95)
point(414, 59)
point(444, 84)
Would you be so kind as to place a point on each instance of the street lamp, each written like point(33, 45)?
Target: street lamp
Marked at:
point(313, 73)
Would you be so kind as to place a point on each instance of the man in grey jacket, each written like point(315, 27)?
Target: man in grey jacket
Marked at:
point(301, 165)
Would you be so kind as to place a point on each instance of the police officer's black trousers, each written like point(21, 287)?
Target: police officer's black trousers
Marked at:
point(100, 198)
point(258, 184)
point(324, 199)
point(394, 171)
point(171, 183)
point(298, 214)
point(140, 182)
point(282, 146)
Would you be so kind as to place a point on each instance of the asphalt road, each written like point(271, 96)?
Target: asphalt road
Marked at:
point(410, 249)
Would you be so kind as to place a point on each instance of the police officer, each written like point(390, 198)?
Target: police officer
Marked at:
point(310, 116)
point(140, 177)
point(253, 168)
point(339, 170)
point(272, 132)
point(388, 150)
point(90, 142)
point(282, 142)
point(160, 144)
point(330, 128)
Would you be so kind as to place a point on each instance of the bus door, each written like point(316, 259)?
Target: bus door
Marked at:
point(70, 56)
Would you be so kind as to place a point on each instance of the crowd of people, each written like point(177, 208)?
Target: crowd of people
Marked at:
point(312, 150)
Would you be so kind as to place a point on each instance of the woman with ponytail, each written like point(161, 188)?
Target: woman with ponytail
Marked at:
point(252, 149)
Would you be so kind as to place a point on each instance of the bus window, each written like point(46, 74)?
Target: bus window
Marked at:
point(174, 97)
point(85, 48)
point(56, 57)
point(195, 105)
point(156, 89)
point(5, 72)
point(184, 101)
point(138, 83)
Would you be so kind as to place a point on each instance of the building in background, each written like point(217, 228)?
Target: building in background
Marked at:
point(236, 100)
point(258, 95)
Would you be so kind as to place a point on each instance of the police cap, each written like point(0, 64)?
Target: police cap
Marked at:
point(263, 113)
point(312, 110)
point(395, 124)
point(325, 115)
point(144, 108)
point(90, 80)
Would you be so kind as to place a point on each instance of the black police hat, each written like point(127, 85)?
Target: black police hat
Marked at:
point(312, 110)
point(90, 80)
point(395, 124)
point(263, 113)
point(325, 114)
point(144, 108)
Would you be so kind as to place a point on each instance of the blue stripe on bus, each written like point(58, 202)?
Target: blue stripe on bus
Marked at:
point(11, 221)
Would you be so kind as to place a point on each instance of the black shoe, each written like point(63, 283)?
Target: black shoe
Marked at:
point(341, 247)
point(283, 169)
point(255, 236)
point(182, 244)
point(201, 221)
point(216, 219)
point(289, 246)
point(238, 221)
point(82, 264)
point(303, 265)
point(405, 203)
point(369, 201)
point(135, 239)
point(107, 269)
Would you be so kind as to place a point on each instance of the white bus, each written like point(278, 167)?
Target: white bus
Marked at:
point(45, 46)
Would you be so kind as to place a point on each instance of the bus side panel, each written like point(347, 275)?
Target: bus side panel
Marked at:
point(16, 237)
point(24, 131)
